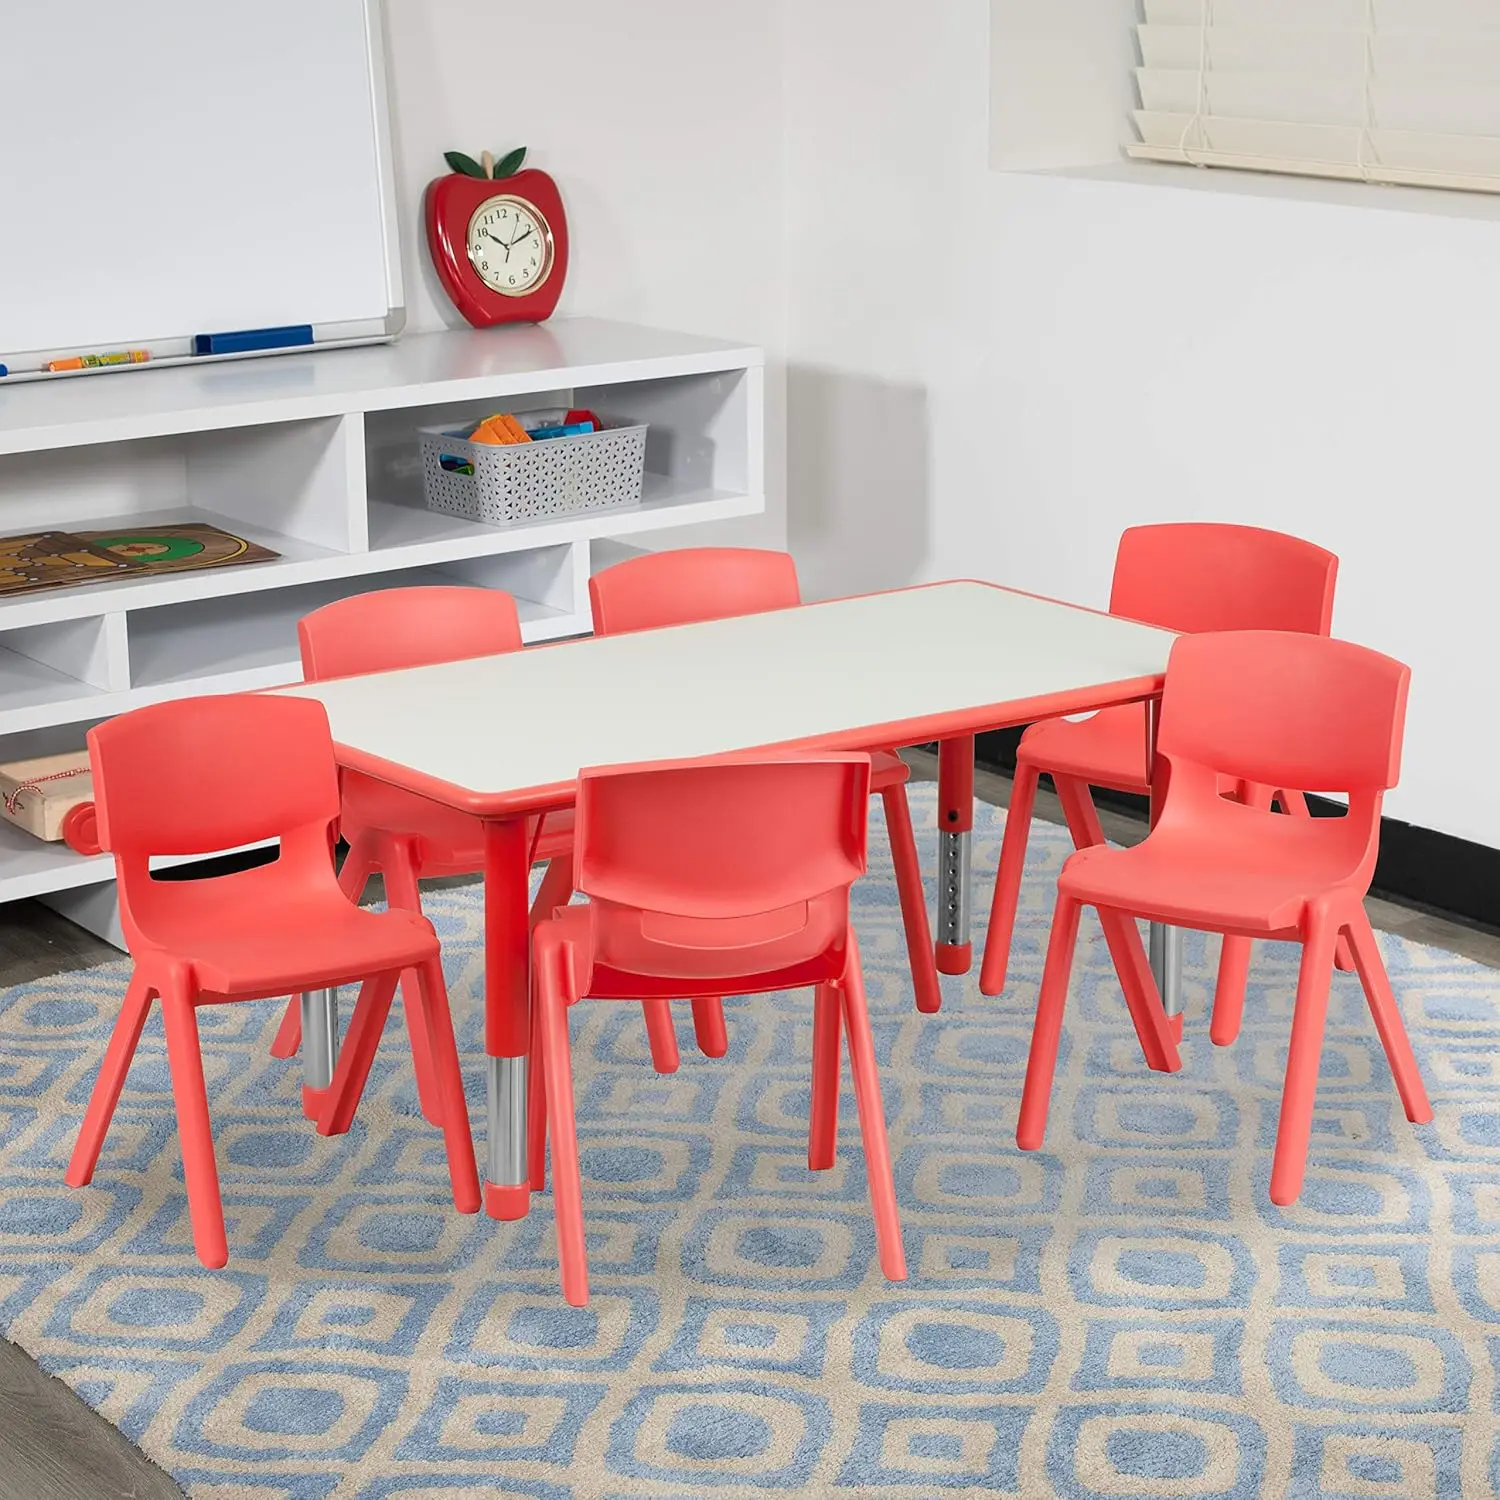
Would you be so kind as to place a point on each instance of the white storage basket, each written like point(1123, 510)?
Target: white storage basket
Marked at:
point(529, 482)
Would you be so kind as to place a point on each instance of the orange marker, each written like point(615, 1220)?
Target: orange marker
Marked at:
point(96, 361)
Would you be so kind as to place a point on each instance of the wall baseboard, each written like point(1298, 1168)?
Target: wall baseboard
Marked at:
point(1417, 865)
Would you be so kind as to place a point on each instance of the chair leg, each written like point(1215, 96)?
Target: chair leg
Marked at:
point(1229, 990)
point(1153, 1030)
point(913, 896)
point(1046, 1031)
point(1294, 804)
point(555, 890)
point(1001, 931)
point(194, 1131)
point(823, 1118)
point(1082, 817)
point(403, 894)
point(1304, 1053)
point(560, 873)
point(536, 1099)
point(1234, 956)
point(1387, 1015)
point(448, 1079)
point(357, 1053)
point(353, 878)
point(872, 1129)
point(567, 1189)
point(288, 1038)
point(662, 1035)
point(708, 1026)
point(123, 1041)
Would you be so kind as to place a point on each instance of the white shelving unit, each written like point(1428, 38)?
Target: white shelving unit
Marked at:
point(316, 457)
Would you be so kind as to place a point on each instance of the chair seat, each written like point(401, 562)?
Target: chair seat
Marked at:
point(1108, 749)
point(1233, 869)
point(247, 935)
point(887, 769)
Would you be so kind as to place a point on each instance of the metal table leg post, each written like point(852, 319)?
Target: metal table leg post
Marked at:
point(953, 949)
point(320, 1047)
point(505, 1162)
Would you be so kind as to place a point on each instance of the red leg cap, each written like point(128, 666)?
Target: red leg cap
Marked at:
point(507, 1200)
point(954, 958)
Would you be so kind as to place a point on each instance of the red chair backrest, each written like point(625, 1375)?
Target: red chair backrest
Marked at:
point(721, 868)
point(697, 583)
point(1198, 576)
point(201, 775)
point(389, 629)
point(1285, 710)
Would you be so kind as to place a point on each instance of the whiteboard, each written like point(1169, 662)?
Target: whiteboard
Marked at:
point(192, 168)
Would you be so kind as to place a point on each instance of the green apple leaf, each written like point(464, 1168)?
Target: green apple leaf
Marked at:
point(458, 162)
point(510, 163)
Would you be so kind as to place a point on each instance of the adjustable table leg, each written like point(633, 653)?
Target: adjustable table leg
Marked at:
point(954, 950)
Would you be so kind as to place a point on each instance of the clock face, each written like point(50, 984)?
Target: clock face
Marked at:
point(510, 245)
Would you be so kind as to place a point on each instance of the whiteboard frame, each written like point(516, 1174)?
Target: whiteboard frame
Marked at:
point(23, 364)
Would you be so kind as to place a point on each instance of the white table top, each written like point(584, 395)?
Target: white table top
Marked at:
point(507, 733)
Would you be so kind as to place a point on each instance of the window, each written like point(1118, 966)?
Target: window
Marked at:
point(1388, 91)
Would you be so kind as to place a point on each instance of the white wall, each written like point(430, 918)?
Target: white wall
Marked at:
point(662, 121)
point(992, 374)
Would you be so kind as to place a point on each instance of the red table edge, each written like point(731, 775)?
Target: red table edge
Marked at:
point(936, 727)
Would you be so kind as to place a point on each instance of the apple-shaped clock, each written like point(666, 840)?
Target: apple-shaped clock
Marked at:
point(498, 237)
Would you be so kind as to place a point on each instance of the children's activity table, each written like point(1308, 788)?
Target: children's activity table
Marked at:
point(504, 737)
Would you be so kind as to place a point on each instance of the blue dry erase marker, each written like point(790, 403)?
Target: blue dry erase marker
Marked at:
point(4, 371)
point(248, 340)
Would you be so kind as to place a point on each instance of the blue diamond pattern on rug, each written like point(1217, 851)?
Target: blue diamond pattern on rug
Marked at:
point(1122, 1315)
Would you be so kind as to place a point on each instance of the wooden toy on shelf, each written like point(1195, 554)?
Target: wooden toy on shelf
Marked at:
point(52, 798)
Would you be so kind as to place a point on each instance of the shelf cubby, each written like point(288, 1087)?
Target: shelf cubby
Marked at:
point(315, 457)
point(48, 671)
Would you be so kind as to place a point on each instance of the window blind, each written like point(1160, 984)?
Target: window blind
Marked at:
point(1390, 91)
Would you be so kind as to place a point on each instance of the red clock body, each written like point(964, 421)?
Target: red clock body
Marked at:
point(499, 245)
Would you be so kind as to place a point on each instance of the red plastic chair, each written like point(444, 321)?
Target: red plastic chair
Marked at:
point(712, 878)
point(405, 837)
point(715, 583)
point(204, 774)
point(1274, 709)
point(1187, 577)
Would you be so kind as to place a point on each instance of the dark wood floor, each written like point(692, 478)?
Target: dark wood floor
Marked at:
point(53, 1447)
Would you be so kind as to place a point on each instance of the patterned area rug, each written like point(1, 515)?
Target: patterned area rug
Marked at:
point(1125, 1315)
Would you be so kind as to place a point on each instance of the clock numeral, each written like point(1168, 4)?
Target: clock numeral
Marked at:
point(512, 280)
